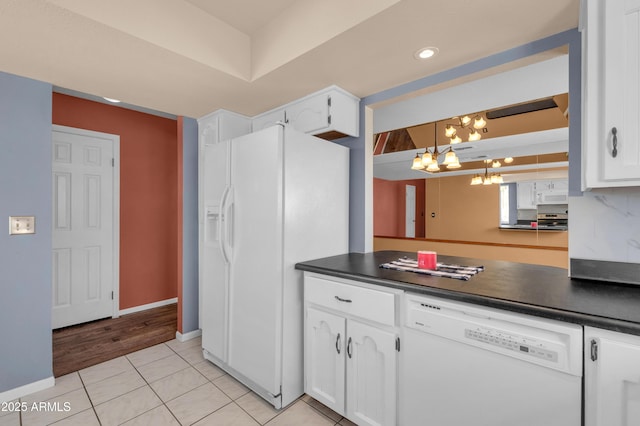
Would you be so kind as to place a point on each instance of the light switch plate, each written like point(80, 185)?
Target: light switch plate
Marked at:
point(19, 225)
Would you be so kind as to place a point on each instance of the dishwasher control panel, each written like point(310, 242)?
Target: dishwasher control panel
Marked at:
point(515, 343)
point(540, 341)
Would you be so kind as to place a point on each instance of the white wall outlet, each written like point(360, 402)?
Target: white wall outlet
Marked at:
point(22, 225)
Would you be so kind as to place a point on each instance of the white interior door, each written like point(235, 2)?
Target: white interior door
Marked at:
point(410, 211)
point(85, 225)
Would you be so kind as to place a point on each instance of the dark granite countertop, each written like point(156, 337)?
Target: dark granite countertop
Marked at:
point(532, 289)
point(537, 228)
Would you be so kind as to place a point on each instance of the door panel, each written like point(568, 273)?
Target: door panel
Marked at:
point(84, 238)
point(254, 239)
point(214, 268)
point(612, 395)
point(325, 346)
point(371, 375)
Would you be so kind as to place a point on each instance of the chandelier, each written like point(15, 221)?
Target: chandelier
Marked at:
point(428, 161)
point(488, 179)
point(477, 124)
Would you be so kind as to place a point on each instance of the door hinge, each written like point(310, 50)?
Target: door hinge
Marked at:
point(329, 119)
point(594, 350)
point(329, 101)
point(112, 295)
point(398, 344)
point(113, 162)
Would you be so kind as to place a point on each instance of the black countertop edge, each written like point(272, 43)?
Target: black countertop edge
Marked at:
point(531, 228)
point(541, 311)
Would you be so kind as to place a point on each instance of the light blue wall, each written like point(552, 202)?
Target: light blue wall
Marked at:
point(190, 225)
point(25, 260)
point(358, 162)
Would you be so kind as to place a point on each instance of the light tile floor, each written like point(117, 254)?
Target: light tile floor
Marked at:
point(166, 384)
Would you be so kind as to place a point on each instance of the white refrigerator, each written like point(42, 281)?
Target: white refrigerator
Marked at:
point(269, 199)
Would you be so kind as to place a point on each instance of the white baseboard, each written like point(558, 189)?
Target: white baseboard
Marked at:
point(148, 306)
point(188, 336)
point(30, 388)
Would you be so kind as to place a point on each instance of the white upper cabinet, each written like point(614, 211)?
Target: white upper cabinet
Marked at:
point(526, 195)
point(330, 113)
point(611, 93)
point(222, 125)
point(268, 119)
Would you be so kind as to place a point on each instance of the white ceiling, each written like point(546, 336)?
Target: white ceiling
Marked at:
point(191, 57)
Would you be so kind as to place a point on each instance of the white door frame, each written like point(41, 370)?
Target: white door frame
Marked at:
point(116, 204)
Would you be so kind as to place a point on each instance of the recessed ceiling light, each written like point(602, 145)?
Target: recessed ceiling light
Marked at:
point(115, 101)
point(426, 53)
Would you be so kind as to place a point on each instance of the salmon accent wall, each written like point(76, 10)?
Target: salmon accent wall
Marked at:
point(148, 194)
point(389, 207)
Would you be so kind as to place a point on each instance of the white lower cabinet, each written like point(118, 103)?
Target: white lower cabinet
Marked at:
point(612, 378)
point(324, 358)
point(350, 360)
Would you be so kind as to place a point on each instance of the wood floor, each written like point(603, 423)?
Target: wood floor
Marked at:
point(84, 345)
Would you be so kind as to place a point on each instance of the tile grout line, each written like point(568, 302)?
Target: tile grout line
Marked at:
point(93, 407)
point(153, 390)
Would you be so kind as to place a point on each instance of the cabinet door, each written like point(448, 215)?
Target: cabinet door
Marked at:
point(268, 119)
point(309, 115)
point(560, 185)
point(612, 380)
point(621, 89)
point(525, 195)
point(371, 375)
point(324, 358)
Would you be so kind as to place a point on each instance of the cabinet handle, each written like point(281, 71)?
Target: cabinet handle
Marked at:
point(349, 347)
point(614, 151)
point(338, 343)
point(594, 350)
point(343, 300)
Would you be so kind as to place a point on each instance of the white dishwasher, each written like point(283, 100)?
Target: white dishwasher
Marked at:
point(461, 364)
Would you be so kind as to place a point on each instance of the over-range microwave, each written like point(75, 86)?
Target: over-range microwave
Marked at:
point(552, 197)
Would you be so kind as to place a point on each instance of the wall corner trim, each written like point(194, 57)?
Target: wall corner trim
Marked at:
point(27, 389)
point(188, 336)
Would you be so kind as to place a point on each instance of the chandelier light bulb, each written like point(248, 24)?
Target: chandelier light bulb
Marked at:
point(450, 158)
point(417, 163)
point(508, 160)
point(449, 131)
point(454, 165)
point(476, 180)
point(456, 139)
point(427, 159)
point(465, 120)
point(433, 167)
point(496, 164)
point(487, 180)
point(479, 122)
point(474, 136)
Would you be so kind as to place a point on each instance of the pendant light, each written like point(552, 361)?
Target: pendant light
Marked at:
point(429, 160)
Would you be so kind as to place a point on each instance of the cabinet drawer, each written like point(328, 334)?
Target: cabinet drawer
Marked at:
point(362, 302)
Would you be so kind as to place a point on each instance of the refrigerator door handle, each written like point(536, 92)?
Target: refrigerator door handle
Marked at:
point(228, 225)
point(223, 219)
